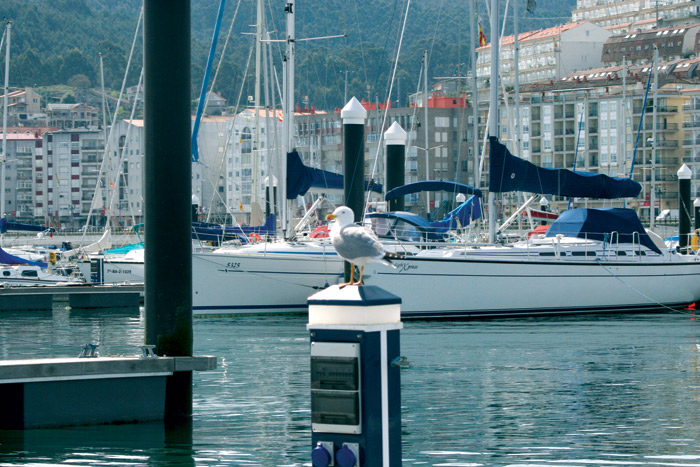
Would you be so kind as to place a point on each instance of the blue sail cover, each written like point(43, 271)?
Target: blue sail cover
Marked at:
point(300, 178)
point(468, 211)
point(432, 185)
point(6, 258)
point(510, 173)
point(615, 225)
point(5, 225)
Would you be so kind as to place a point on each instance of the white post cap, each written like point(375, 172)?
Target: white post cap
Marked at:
point(353, 113)
point(696, 203)
point(684, 173)
point(395, 135)
point(195, 199)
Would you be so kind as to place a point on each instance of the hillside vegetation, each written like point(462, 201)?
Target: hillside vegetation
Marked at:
point(56, 41)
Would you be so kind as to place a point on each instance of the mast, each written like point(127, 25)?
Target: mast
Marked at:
point(3, 160)
point(516, 59)
point(258, 70)
point(654, 143)
point(104, 131)
point(493, 109)
point(425, 124)
point(475, 93)
point(288, 108)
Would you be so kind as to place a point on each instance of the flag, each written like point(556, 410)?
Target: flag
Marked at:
point(240, 205)
point(111, 184)
point(482, 36)
point(530, 6)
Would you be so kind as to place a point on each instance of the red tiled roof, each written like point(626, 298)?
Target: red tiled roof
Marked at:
point(538, 34)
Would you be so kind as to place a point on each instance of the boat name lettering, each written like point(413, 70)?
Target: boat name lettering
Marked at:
point(403, 267)
point(233, 265)
point(118, 271)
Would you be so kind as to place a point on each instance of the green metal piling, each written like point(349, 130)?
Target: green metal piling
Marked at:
point(167, 161)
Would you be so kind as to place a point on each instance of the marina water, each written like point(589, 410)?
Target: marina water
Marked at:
point(557, 391)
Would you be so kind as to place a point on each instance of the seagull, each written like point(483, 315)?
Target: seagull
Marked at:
point(356, 244)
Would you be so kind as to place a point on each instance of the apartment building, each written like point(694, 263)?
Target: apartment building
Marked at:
point(250, 156)
point(24, 151)
point(546, 54)
point(24, 107)
point(691, 141)
point(69, 116)
point(636, 48)
point(636, 13)
point(592, 122)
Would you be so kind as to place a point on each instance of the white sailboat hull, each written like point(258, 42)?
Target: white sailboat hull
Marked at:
point(433, 288)
point(262, 282)
point(436, 287)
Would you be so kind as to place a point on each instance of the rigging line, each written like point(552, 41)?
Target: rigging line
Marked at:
point(215, 191)
point(221, 58)
point(120, 171)
point(362, 48)
point(597, 260)
point(105, 156)
point(386, 110)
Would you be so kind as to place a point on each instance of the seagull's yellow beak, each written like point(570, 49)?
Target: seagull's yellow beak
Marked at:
point(330, 217)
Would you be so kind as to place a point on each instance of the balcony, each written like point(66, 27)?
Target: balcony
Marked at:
point(664, 126)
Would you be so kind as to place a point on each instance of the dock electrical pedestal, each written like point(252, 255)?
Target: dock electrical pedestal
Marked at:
point(355, 377)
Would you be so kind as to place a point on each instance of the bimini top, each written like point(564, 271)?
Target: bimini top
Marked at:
point(614, 225)
point(510, 173)
point(432, 185)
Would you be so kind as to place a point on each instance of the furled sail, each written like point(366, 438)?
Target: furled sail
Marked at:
point(510, 173)
point(301, 178)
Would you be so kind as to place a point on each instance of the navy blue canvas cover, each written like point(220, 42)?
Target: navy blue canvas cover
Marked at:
point(510, 173)
point(615, 225)
point(432, 185)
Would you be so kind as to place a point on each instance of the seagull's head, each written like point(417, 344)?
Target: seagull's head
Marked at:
point(343, 215)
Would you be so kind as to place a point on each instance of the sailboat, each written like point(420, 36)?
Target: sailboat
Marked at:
point(591, 260)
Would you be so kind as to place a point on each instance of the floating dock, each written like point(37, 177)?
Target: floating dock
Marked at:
point(56, 392)
point(42, 297)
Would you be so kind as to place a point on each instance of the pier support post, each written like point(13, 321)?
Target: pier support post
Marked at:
point(355, 377)
point(395, 138)
point(354, 116)
point(168, 168)
point(684, 207)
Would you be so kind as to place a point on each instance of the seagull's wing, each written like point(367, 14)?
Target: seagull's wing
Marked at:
point(357, 242)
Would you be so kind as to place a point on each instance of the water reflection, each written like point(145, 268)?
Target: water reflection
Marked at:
point(598, 390)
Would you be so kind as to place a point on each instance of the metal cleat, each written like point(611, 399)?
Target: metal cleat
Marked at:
point(89, 351)
point(148, 351)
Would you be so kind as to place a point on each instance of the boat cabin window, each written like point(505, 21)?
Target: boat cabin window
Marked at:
point(30, 273)
point(546, 253)
point(6, 273)
point(621, 253)
point(583, 253)
point(640, 253)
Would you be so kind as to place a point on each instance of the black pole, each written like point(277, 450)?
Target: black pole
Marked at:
point(684, 207)
point(354, 116)
point(168, 168)
point(696, 204)
point(395, 138)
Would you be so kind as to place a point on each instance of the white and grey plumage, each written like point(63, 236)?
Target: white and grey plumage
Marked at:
point(354, 243)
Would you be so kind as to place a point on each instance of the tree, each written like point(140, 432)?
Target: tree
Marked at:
point(79, 81)
point(74, 63)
